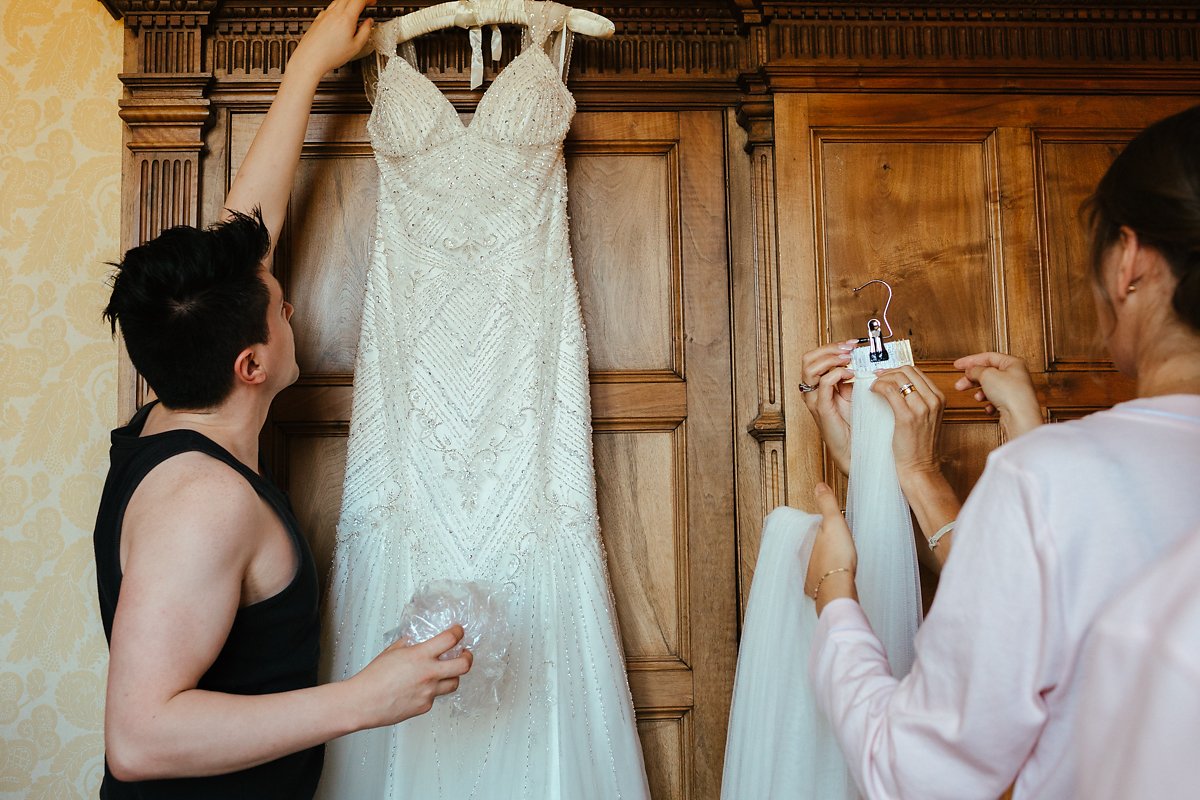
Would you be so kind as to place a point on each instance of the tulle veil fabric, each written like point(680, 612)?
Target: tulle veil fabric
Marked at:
point(779, 744)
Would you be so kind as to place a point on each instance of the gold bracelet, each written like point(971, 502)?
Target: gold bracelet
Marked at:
point(817, 588)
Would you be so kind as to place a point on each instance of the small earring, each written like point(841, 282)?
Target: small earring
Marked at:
point(1132, 287)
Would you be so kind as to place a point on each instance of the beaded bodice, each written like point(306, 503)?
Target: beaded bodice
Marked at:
point(527, 105)
point(471, 310)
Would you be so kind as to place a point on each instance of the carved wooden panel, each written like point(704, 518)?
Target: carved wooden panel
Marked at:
point(1069, 165)
point(314, 457)
point(627, 261)
point(645, 538)
point(982, 31)
point(648, 241)
point(965, 443)
point(337, 174)
point(913, 208)
point(971, 204)
point(665, 736)
point(648, 230)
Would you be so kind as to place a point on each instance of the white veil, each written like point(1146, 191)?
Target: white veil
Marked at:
point(779, 744)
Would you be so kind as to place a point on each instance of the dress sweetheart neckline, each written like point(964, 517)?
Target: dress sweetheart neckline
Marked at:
point(465, 127)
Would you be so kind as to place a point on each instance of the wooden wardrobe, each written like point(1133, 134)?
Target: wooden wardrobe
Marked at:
point(735, 167)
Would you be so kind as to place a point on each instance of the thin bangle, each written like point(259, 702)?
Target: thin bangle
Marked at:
point(942, 531)
point(817, 589)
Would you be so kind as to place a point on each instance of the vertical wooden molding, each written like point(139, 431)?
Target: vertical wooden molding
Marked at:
point(756, 312)
point(756, 115)
point(165, 110)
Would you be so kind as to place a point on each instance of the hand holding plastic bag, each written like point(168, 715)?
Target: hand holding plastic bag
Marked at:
point(482, 610)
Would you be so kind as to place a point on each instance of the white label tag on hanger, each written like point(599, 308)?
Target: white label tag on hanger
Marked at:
point(899, 355)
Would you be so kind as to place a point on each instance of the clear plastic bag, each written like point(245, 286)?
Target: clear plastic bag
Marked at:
point(482, 610)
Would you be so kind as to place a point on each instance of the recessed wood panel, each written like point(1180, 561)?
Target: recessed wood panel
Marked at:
point(918, 214)
point(637, 493)
point(964, 447)
point(622, 207)
point(316, 463)
point(664, 746)
point(323, 268)
point(1068, 171)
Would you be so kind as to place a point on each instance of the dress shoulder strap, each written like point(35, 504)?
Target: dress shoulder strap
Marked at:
point(548, 30)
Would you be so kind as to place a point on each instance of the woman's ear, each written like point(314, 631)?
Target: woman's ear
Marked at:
point(1131, 263)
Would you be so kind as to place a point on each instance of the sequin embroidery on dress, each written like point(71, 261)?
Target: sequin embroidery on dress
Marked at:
point(470, 453)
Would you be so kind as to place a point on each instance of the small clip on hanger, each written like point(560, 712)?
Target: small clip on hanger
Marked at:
point(875, 336)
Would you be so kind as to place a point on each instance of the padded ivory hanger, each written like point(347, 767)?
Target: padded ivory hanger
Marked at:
point(478, 13)
point(474, 15)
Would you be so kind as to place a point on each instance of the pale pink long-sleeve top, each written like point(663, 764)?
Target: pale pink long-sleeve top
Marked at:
point(1138, 733)
point(1061, 520)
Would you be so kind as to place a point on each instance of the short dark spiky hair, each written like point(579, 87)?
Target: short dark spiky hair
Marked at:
point(188, 301)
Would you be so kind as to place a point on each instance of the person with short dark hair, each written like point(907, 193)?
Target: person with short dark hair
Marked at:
point(208, 591)
point(1063, 520)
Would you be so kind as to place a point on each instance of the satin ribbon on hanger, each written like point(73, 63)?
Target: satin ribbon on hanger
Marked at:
point(466, 18)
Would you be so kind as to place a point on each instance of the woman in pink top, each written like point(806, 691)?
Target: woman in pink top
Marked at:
point(1063, 518)
point(1139, 722)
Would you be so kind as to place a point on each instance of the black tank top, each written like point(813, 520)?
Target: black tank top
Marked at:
point(273, 645)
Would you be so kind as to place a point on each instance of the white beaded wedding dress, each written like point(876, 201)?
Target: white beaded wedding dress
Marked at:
point(470, 456)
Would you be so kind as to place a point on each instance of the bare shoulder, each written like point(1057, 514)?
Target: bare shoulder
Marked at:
point(193, 500)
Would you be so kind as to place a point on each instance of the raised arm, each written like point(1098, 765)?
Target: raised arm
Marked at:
point(266, 175)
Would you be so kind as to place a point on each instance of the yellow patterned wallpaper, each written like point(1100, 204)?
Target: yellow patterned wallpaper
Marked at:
point(60, 163)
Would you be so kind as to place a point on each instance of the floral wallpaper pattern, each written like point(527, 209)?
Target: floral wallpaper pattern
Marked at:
point(60, 162)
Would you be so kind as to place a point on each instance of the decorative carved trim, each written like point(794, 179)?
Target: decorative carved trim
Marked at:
point(975, 78)
point(774, 475)
point(985, 10)
point(165, 118)
point(718, 38)
point(767, 427)
point(261, 47)
point(125, 8)
point(979, 32)
point(658, 54)
point(756, 115)
point(242, 49)
point(749, 12)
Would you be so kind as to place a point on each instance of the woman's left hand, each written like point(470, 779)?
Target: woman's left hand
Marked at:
point(918, 412)
point(834, 558)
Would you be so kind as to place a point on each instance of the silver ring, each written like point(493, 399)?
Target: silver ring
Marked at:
point(907, 389)
point(804, 387)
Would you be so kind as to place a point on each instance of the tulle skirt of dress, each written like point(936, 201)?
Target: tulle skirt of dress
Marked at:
point(563, 729)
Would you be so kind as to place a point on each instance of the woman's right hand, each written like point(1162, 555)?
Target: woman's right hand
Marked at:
point(1003, 384)
point(337, 35)
point(825, 368)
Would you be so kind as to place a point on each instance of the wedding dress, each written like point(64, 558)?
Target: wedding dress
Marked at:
point(470, 456)
point(779, 744)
